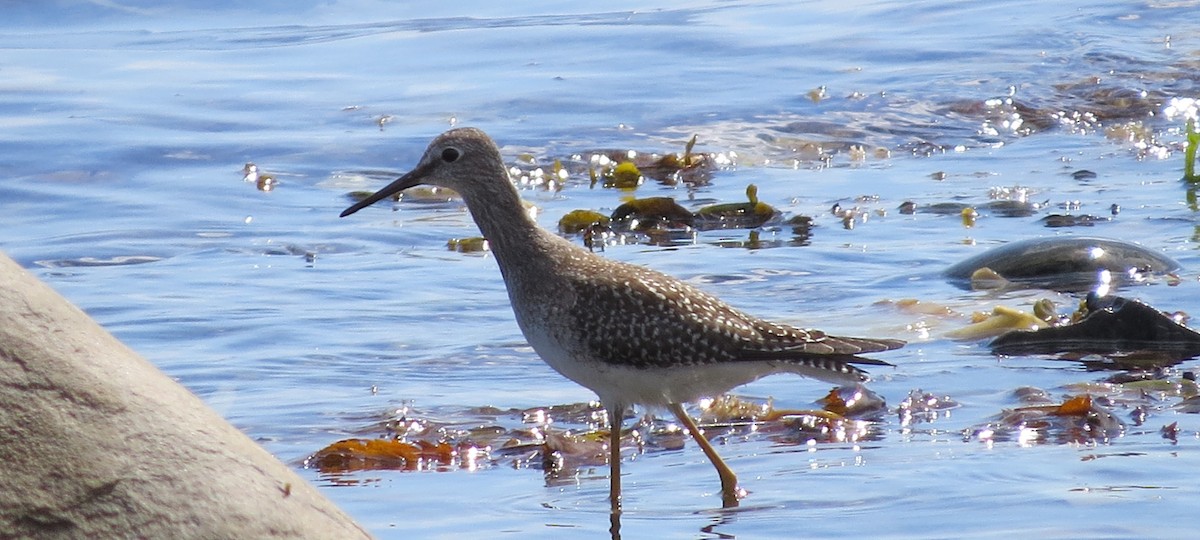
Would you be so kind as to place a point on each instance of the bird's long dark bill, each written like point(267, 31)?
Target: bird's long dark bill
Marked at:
point(413, 178)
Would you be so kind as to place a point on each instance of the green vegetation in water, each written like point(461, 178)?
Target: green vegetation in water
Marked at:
point(652, 212)
point(817, 94)
point(985, 279)
point(969, 216)
point(1189, 153)
point(1073, 220)
point(687, 151)
point(801, 229)
point(419, 194)
point(1001, 320)
point(689, 167)
point(559, 173)
point(748, 214)
point(551, 179)
point(359, 195)
point(1181, 387)
point(577, 221)
point(1045, 310)
point(624, 176)
point(473, 244)
point(627, 169)
point(261, 180)
point(670, 164)
point(428, 194)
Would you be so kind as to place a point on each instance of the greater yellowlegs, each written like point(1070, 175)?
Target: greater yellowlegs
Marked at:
point(630, 334)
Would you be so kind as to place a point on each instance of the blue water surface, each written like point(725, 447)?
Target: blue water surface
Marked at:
point(125, 126)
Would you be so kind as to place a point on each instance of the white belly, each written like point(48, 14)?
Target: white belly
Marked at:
point(651, 386)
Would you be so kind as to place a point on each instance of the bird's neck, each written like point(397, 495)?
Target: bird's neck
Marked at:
point(512, 235)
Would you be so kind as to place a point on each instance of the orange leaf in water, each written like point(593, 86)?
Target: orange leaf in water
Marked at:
point(834, 403)
point(441, 451)
point(366, 454)
point(1079, 405)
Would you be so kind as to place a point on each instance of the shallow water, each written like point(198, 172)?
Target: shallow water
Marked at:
point(126, 127)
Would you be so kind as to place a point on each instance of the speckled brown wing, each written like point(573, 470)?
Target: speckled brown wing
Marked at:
point(783, 342)
point(650, 320)
point(653, 320)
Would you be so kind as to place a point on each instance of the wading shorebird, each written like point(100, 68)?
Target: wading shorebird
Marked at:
point(630, 334)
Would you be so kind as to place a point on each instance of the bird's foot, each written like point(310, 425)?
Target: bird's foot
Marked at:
point(731, 495)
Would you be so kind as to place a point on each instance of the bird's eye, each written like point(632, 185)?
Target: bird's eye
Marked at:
point(450, 155)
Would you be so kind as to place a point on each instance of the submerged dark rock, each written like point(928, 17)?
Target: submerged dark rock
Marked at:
point(1070, 264)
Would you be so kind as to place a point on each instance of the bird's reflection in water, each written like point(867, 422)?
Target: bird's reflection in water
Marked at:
point(716, 519)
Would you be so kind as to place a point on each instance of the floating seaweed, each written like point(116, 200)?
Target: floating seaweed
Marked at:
point(743, 215)
point(262, 181)
point(374, 454)
point(920, 406)
point(1073, 220)
point(690, 167)
point(1116, 327)
point(1077, 419)
point(652, 213)
point(625, 175)
point(1189, 153)
point(420, 194)
point(470, 244)
point(1000, 321)
point(577, 221)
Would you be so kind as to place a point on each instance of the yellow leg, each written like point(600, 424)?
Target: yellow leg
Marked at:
point(614, 467)
point(729, 488)
point(616, 417)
